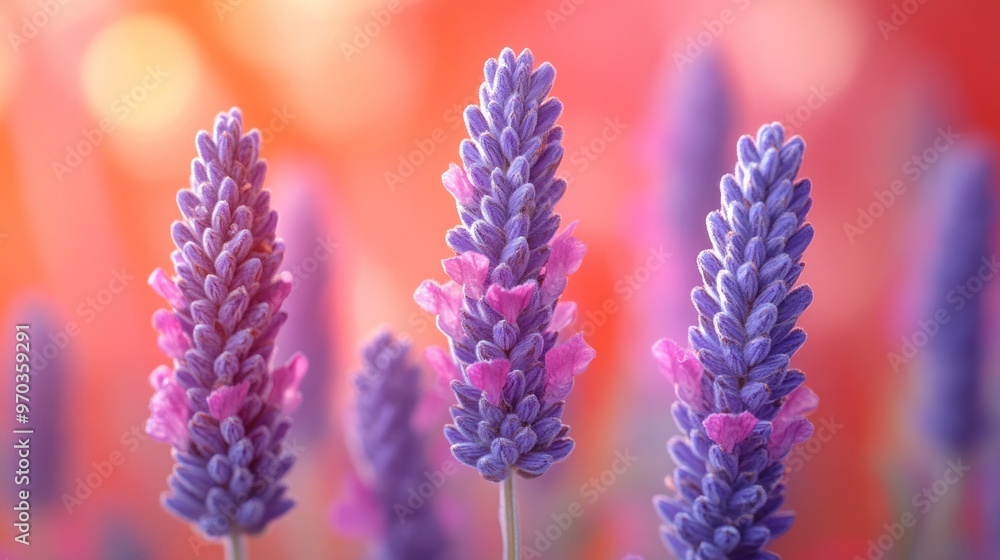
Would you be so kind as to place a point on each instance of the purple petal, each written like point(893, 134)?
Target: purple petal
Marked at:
point(172, 339)
point(489, 377)
point(468, 270)
point(563, 316)
point(566, 255)
point(564, 362)
point(510, 303)
point(168, 409)
point(227, 400)
point(457, 183)
point(728, 430)
point(445, 301)
point(790, 427)
point(682, 368)
point(166, 288)
point(285, 390)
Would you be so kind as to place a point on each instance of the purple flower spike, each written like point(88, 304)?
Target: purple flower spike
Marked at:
point(963, 204)
point(388, 395)
point(500, 308)
point(701, 116)
point(740, 407)
point(221, 405)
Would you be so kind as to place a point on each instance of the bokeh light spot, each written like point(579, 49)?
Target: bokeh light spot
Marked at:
point(141, 72)
point(785, 48)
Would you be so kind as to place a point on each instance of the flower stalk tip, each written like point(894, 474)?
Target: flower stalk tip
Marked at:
point(740, 406)
point(501, 309)
point(221, 405)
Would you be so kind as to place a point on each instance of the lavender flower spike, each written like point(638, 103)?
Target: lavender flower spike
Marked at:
point(388, 394)
point(221, 405)
point(501, 309)
point(961, 193)
point(740, 408)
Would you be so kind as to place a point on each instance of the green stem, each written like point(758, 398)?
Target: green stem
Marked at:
point(508, 520)
point(236, 546)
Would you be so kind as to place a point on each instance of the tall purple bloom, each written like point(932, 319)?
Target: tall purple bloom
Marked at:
point(388, 394)
point(963, 200)
point(222, 406)
point(697, 142)
point(740, 407)
point(500, 309)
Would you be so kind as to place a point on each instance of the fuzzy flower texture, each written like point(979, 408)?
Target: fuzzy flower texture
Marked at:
point(501, 309)
point(221, 406)
point(388, 396)
point(741, 408)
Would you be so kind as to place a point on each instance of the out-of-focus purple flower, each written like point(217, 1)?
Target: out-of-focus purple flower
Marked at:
point(308, 329)
point(698, 146)
point(122, 540)
point(694, 151)
point(221, 405)
point(378, 503)
point(388, 395)
point(506, 280)
point(962, 198)
point(48, 385)
point(740, 407)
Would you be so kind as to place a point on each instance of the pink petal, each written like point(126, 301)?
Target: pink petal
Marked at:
point(562, 363)
point(168, 409)
point(172, 339)
point(566, 255)
point(160, 377)
point(489, 377)
point(682, 368)
point(563, 316)
point(445, 301)
point(433, 402)
point(166, 288)
point(357, 514)
point(567, 251)
point(443, 364)
point(277, 295)
point(510, 303)
point(800, 402)
point(469, 270)
point(789, 426)
point(728, 430)
point(458, 184)
point(227, 400)
point(792, 433)
point(285, 388)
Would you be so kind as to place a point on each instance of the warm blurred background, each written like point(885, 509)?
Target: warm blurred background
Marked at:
point(359, 103)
